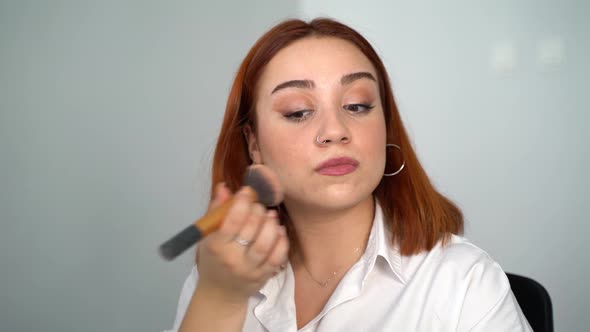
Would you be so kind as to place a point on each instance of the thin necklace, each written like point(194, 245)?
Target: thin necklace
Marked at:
point(325, 283)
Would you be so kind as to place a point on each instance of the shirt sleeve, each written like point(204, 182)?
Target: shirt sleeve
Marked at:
point(481, 297)
point(488, 303)
point(185, 298)
point(505, 315)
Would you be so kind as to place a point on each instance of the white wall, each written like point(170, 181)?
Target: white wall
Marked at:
point(109, 112)
point(493, 93)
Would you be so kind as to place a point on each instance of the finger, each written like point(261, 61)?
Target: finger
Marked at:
point(236, 215)
point(221, 194)
point(264, 242)
point(253, 223)
point(279, 254)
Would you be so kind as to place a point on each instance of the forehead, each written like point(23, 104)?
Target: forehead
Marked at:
point(321, 59)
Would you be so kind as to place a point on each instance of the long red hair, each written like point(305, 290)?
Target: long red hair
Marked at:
point(418, 214)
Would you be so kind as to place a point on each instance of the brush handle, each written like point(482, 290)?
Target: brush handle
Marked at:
point(195, 232)
point(212, 220)
point(180, 242)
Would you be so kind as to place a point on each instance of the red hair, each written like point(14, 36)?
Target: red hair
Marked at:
point(418, 215)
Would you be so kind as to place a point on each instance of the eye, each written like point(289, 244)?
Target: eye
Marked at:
point(358, 108)
point(297, 116)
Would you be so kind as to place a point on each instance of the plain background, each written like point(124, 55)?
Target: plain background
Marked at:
point(110, 111)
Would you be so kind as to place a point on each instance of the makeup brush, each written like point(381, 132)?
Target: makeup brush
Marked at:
point(267, 189)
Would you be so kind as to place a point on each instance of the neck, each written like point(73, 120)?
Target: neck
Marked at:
point(331, 239)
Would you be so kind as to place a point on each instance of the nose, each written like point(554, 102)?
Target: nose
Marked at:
point(333, 128)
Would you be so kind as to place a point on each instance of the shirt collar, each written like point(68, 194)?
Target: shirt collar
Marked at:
point(380, 245)
point(276, 299)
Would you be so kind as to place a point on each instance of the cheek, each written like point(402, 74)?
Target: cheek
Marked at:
point(374, 147)
point(279, 148)
point(376, 137)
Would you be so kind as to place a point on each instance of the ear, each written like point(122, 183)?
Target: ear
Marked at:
point(253, 148)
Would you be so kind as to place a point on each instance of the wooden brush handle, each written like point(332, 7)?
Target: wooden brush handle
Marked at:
point(212, 220)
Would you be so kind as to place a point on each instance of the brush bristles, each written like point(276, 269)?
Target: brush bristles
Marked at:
point(266, 184)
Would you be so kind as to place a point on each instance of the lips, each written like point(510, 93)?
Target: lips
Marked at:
point(337, 166)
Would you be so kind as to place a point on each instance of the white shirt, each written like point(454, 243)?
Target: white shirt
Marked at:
point(456, 287)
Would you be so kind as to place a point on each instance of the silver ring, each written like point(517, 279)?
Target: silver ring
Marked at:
point(242, 242)
point(317, 139)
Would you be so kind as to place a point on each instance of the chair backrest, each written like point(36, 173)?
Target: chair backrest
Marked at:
point(534, 300)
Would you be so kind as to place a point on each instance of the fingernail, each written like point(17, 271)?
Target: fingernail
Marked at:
point(243, 192)
point(272, 214)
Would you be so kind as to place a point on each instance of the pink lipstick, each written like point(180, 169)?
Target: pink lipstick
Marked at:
point(337, 166)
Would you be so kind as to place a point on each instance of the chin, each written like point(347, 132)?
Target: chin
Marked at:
point(339, 205)
point(332, 193)
point(334, 199)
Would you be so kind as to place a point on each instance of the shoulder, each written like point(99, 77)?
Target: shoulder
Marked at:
point(459, 252)
point(456, 257)
point(457, 270)
point(470, 280)
point(466, 264)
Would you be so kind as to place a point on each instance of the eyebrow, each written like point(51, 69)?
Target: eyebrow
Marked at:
point(349, 78)
point(302, 84)
point(309, 84)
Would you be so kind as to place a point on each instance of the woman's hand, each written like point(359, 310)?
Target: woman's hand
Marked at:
point(249, 247)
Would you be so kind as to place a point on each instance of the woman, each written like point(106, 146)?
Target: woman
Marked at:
point(362, 240)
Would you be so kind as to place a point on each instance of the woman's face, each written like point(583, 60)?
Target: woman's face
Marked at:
point(320, 89)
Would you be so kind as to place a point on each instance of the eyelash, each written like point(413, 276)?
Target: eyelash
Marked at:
point(301, 115)
point(298, 116)
point(366, 107)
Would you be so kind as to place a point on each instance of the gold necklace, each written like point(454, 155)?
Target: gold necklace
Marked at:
point(324, 284)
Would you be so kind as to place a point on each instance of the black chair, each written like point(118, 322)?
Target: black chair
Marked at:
point(534, 301)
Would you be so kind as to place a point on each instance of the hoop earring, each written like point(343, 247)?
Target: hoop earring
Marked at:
point(403, 164)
